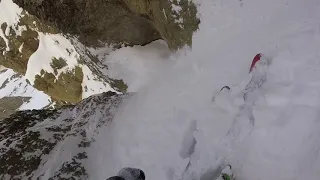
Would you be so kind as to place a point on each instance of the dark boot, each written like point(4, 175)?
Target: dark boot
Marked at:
point(115, 178)
point(132, 174)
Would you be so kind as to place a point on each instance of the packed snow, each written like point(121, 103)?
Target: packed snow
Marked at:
point(266, 126)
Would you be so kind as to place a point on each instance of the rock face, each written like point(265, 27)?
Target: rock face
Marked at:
point(66, 87)
point(117, 22)
point(18, 44)
point(51, 44)
point(175, 20)
point(52, 144)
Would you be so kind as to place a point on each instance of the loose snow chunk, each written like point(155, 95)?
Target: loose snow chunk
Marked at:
point(179, 21)
point(21, 47)
point(176, 8)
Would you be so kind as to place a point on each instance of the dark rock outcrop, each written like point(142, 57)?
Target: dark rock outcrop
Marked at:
point(94, 23)
point(9, 105)
point(119, 22)
point(21, 46)
point(106, 20)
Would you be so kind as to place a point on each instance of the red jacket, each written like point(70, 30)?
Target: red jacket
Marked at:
point(254, 61)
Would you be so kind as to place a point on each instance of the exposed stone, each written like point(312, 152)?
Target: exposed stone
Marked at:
point(58, 64)
point(21, 47)
point(167, 21)
point(9, 105)
point(65, 87)
point(106, 20)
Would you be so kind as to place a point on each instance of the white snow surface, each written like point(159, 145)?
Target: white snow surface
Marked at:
point(139, 64)
point(266, 126)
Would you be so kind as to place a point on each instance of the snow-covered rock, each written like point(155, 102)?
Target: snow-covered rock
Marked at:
point(53, 144)
point(265, 124)
point(50, 45)
point(17, 94)
point(52, 62)
point(108, 22)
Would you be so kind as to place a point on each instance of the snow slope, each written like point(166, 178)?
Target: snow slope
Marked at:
point(57, 46)
point(13, 85)
point(51, 46)
point(173, 130)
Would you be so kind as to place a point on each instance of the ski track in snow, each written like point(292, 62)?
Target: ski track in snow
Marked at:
point(267, 131)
